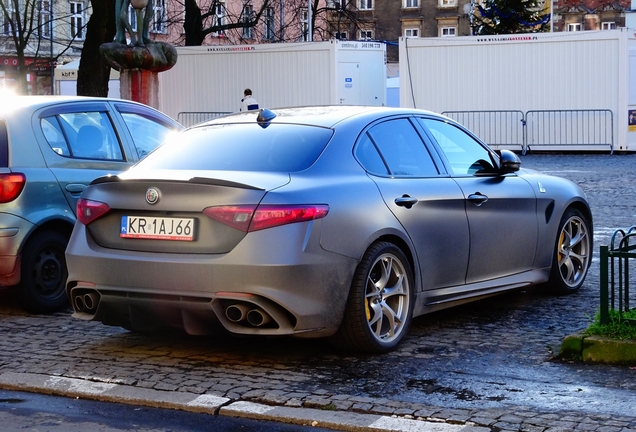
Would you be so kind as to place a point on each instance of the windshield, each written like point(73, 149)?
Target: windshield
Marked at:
point(241, 147)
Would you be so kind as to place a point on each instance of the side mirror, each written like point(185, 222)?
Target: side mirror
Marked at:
point(510, 162)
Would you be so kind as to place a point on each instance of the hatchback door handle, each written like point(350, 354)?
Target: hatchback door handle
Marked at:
point(406, 201)
point(477, 198)
point(75, 188)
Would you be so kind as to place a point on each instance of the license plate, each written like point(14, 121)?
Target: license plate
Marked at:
point(157, 228)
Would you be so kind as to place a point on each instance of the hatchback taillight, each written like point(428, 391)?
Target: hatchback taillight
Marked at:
point(88, 211)
point(11, 186)
point(253, 218)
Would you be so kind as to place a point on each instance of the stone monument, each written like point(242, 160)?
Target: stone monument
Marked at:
point(139, 61)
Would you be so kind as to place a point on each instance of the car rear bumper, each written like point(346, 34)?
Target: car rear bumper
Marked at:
point(13, 231)
point(293, 287)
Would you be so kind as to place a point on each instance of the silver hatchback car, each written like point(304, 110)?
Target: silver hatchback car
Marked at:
point(51, 148)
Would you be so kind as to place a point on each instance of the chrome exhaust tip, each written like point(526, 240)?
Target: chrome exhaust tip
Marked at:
point(258, 317)
point(237, 312)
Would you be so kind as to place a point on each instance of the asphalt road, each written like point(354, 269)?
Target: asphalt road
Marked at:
point(489, 363)
point(21, 411)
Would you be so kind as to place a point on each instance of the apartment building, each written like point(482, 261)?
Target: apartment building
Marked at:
point(571, 15)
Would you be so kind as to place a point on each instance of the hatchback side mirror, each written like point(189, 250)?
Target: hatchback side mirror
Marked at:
point(510, 162)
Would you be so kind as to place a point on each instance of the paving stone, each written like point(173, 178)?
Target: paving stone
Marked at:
point(514, 333)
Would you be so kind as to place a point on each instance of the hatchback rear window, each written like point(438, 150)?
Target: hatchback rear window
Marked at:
point(4, 145)
point(242, 147)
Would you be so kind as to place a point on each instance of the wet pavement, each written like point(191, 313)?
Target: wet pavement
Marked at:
point(489, 363)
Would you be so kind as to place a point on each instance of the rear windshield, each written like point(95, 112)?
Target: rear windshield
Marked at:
point(241, 147)
point(4, 145)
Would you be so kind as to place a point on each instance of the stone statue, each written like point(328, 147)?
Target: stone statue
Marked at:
point(140, 61)
point(143, 13)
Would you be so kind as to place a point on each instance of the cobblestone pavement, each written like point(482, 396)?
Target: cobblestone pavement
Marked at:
point(489, 363)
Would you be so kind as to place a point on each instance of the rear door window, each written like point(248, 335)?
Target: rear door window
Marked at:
point(85, 135)
point(395, 148)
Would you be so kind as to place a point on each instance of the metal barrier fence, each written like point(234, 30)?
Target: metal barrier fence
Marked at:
point(547, 129)
point(574, 129)
point(615, 269)
point(497, 128)
point(192, 117)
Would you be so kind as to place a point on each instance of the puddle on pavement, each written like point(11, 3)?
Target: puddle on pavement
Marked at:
point(12, 400)
point(431, 386)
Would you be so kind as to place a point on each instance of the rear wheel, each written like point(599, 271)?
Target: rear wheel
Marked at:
point(380, 305)
point(573, 253)
point(44, 273)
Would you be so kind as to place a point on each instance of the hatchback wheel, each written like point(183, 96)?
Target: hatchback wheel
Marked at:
point(380, 305)
point(44, 273)
point(573, 253)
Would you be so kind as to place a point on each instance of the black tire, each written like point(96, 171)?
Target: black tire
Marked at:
point(572, 253)
point(44, 273)
point(382, 289)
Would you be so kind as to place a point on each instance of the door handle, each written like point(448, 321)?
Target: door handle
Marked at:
point(75, 188)
point(406, 201)
point(477, 198)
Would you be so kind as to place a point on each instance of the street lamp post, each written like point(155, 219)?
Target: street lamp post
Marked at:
point(551, 16)
point(310, 29)
point(51, 62)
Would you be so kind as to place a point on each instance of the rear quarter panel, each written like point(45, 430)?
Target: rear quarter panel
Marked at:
point(555, 195)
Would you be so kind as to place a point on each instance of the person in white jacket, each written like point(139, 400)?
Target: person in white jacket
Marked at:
point(249, 103)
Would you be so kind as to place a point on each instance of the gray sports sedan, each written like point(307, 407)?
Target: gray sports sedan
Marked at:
point(341, 222)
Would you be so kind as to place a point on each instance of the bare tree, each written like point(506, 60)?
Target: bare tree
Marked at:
point(94, 72)
point(34, 28)
point(266, 21)
point(21, 27)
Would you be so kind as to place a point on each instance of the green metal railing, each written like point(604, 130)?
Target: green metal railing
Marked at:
point(615, 269)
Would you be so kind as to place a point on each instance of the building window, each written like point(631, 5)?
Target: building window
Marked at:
point(365, 4)
point(341, 35)
point(574, 27)
point(270, 24)
point(44, 18)
point(447, 3)
point(246, 18)
point(411, 32)
point(366, 35)
point(77, 19)
point(158, 16)
point(132, 18)
point(411, 3)
point(608, 26)
point(218, 18)
point(448, 31)
point(304, 24)
point(8, 18)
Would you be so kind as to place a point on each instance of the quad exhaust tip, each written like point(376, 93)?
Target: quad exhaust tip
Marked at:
point(86, 302)
point(241, 312)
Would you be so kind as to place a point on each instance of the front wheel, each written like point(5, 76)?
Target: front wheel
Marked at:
point(44, 273)
point(380, 304)
point(573, 253)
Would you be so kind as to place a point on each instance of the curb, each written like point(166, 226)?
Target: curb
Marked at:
point(215, 405)
point(598, 349)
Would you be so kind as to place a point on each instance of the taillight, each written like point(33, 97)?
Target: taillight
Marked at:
point(88, 211)
point(253, 218)
point(238, 217)
point(11, 186)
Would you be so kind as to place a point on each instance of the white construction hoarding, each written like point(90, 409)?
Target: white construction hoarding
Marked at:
point(578, 87)
point(212, 78)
